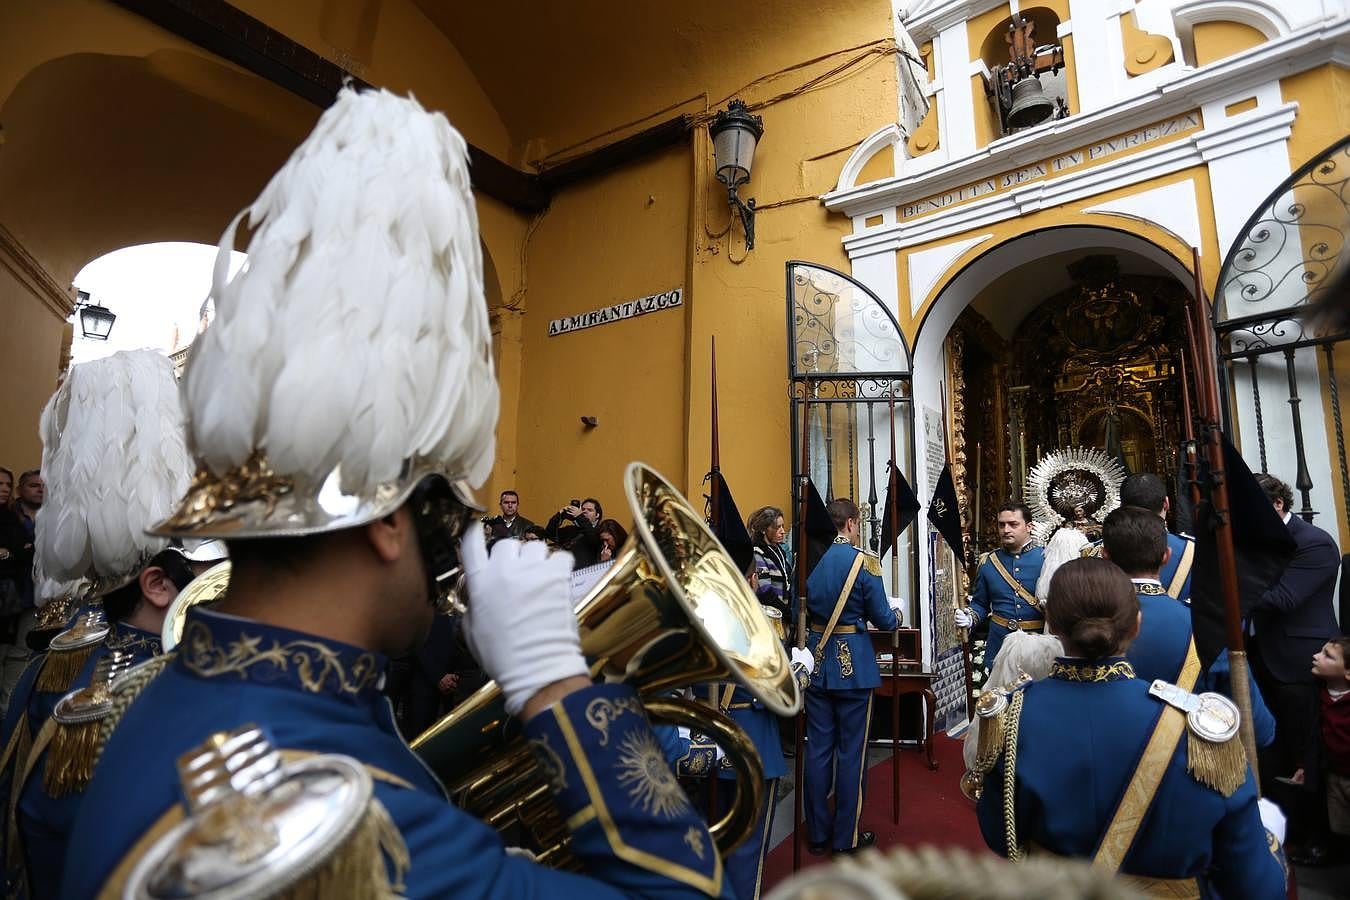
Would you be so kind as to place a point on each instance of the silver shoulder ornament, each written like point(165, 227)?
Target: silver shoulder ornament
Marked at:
point(258, 825)
point(1214, 755)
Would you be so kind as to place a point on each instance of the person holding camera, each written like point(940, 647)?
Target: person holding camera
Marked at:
point(573, 528)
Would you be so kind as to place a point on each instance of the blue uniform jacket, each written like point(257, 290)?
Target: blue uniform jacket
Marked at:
point(1081, 734)
point(1164, 636)
point(849, 662)
point(992, 594)
point(45, 822)
point(760, 725)
point(634, 829)
point(1178, 544)
point(1160, 651)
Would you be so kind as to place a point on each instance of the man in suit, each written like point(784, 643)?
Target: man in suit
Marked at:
point(1147, 491)
point(1290, 622)
point(843, 594)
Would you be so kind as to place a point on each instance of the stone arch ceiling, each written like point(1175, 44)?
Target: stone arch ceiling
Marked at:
point(1012, 296)
point(561, 72)
point(123, 163)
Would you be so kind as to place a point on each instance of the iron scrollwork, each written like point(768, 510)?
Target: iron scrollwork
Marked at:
point(1293, 247)
point(838, 328)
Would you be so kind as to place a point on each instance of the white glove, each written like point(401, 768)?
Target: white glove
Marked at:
point(520, 624)
point(803, 658)
point(717, 756)
point(1272, 817)
point(684, 732)
point(964, 618)
point(897, 606)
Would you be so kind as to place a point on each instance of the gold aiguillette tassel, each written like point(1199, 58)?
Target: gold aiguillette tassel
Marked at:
point(1221, 765)
point(60, 668)
point(70, 758)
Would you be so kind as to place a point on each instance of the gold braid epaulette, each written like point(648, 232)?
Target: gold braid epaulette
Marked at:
point(993, 711)
point(124, 691)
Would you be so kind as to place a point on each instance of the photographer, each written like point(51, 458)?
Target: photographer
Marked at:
point(573, 528)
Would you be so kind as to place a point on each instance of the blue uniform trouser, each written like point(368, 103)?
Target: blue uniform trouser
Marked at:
point(993, 643)
point(836, 755)
point(745, 865)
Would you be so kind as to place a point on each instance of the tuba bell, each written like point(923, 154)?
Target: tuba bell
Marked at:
point(673, 610)
point(206, 589)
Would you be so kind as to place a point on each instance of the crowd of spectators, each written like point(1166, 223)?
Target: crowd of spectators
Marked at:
point(20, 501)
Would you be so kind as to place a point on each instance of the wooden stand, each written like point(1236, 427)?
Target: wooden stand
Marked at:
point(901, 675)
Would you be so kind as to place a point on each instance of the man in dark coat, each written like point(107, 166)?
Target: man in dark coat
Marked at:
point(510, 524)
point(1291, 622)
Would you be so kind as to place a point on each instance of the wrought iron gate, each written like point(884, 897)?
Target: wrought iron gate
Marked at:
point(849, 385)
point(1276, 342)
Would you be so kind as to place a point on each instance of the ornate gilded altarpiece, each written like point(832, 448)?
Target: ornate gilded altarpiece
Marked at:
point(1096, 365)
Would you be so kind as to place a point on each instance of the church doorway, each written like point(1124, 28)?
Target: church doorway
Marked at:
point(1078, 348)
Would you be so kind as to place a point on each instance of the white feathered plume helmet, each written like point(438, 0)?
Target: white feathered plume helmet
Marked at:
point(351, 356)
point(115, 462)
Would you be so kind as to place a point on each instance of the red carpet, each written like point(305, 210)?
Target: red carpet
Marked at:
point(932, 809)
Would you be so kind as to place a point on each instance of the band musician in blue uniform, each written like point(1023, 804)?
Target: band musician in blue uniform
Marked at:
point(121, 416)
point(338, 468)
point(1147, 491)
point(1148, 780)
point(1005, 583)
point(844, 593)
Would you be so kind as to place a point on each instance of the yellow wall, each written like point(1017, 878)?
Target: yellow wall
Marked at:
point(403, 52)
point(30, 345)
point(603, 242)
point(1323, 96)
point(1219, 40)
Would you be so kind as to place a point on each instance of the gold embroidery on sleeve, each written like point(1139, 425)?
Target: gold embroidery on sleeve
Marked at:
point(602, 711)
point(646, 775)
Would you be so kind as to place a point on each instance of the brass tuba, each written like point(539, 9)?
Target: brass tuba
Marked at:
point(206, 588)
point(673, 610)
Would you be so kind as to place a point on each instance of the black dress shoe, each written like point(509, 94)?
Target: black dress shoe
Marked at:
point(865, 839)
point(817, 849)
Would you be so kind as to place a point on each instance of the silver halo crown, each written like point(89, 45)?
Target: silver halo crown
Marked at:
point(1074, 476)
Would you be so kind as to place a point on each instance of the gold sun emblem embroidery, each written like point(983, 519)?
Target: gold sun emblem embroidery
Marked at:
point(694, 838)
point(651, 785)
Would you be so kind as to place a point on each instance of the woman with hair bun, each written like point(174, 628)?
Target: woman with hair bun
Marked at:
point(1106, 767)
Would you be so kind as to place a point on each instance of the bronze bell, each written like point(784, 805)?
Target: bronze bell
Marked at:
point(1030, 106)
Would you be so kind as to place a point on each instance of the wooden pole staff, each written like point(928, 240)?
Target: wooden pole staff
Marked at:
point(958, 570)
point(1191, 462)
point(1207, 388)
point(715, 515)
point(803, 490)
point(892, 509)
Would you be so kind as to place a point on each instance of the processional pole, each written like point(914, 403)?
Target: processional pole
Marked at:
point(893, 508)
point(1191, 465)
point(803, 489)
point(959, 567)
point(715, 516)
point(1209, 413)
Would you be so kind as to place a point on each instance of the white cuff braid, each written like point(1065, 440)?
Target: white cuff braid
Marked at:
point(520, 625)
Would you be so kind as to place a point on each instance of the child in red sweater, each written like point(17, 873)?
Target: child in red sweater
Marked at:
point(1329, 665)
